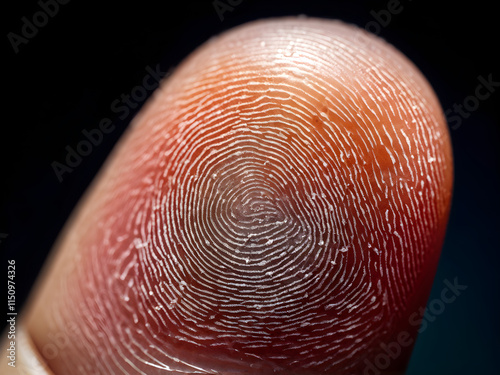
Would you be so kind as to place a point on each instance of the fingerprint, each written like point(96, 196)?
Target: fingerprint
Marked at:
point(281, 219)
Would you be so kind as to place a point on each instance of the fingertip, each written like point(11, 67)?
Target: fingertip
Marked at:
point(288, 184)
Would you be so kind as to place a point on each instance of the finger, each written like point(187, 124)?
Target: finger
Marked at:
point(22, 357)
point(278, 207)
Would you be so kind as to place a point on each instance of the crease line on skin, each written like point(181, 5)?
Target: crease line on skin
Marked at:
point(28, 357)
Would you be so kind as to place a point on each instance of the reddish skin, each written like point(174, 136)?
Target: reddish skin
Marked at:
point(374, 122)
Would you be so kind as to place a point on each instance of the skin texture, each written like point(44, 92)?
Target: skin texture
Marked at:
point(278, 207)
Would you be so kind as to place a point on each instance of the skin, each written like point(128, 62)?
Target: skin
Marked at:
point(278, 207)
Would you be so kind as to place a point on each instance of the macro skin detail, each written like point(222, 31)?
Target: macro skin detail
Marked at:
point(277, 207)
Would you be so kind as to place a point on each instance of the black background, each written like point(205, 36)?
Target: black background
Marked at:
point(90, 53)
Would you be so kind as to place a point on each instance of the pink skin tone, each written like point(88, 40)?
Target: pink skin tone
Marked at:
point(277, 207)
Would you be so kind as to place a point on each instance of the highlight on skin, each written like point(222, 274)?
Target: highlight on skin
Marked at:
point(278, 207)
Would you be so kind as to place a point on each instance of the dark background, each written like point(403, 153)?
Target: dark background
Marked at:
point(89, 54)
